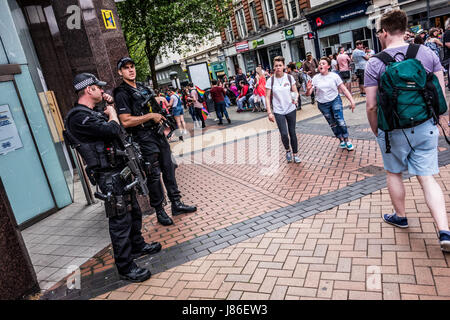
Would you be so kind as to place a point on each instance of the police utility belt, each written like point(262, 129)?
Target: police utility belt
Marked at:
point(104, 166)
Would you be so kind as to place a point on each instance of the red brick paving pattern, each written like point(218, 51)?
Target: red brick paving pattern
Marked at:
point(347, 252)
point(230, 193)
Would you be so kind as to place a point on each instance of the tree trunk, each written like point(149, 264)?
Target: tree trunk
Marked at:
point(151, 57)
point(151, 62)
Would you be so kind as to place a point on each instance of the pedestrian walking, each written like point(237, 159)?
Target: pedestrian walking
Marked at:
point(410, 145)
point(344, 61)
point(433, 42)
point(281, 97)
point(218, 95)
point(198, 106)
point(360, 58)
point(310, 68)
point(298, 82)
point(176, 106)
point(260, 90)
point(327, 84)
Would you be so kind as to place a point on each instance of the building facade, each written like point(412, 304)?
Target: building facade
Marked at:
point(169, 63)
point(43, 44)
point(259, 30)
point(339, 23)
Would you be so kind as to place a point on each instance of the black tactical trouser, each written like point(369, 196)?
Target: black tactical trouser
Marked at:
point(156, 151)
point(125, 226)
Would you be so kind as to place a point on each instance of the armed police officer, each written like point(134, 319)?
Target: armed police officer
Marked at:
point(96, 136)
point(145, 124)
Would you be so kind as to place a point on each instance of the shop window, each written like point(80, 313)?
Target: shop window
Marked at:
point(269, 13)
point(240, 20)
point(291, 9)
point(254, 15)
point(330, 44)
point(363, 34)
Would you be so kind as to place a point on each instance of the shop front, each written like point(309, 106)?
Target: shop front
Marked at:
point(341, 25)
point(433, 13)
point(218, 70)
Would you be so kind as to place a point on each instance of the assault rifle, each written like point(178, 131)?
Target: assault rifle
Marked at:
point(151, 105)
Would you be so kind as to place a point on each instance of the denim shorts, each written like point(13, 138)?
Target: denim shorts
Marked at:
point(423, 161)
point(177, 111)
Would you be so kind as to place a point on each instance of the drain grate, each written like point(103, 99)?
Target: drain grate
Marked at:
point(371, 169)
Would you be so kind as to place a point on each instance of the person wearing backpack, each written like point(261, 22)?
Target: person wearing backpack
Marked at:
point(198, 106)
point(281, 97)
point(404, 87)
point(291, 69)
point(178, 112)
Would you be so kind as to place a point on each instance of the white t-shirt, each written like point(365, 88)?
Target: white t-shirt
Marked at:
point(175, 100)
point(334, 65)
point(326, 87)
point(282, 100)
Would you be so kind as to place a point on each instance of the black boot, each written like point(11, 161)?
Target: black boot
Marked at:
point(136, 274)
point(149, 248)
point(179, 207)
point(163, 218)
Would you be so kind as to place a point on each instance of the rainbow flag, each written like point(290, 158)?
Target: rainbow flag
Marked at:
point(200, 91)
point(205, 113)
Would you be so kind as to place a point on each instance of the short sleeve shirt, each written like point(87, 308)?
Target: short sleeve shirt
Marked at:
point(326, 87)
point(123, 102)
point(375, 67)
point(358, 58)
point(217, 94)
point(282, 100)
point(343, 61)
point(194, 95)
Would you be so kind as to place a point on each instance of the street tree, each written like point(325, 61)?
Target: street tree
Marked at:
point(152, 27)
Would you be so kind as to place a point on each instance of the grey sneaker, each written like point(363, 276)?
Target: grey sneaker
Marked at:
point(297, 159)
point(289, 156)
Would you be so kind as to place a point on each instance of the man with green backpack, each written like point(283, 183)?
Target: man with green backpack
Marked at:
point(405, 96)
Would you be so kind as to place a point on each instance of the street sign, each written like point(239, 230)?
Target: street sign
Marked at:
point(108, 19)
point(289, 34)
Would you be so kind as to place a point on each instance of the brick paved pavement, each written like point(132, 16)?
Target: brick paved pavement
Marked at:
point(347, 252)
point(244, 194)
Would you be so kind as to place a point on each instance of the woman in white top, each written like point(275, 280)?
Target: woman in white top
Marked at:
point(326, 85)
point(281, 96)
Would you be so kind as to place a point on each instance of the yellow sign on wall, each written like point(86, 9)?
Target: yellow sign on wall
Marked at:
point(108, 19)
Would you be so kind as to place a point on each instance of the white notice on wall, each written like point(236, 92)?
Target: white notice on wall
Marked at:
point(9, 136)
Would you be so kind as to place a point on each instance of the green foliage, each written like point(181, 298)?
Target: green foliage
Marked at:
point(152, 27)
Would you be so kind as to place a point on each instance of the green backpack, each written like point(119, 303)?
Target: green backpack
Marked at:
point(407, 95)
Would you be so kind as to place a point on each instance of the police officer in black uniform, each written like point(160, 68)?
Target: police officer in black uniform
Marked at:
point(143, 125)
point(95, 135)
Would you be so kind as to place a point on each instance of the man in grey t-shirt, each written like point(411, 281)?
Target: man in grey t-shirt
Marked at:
point(419, 157)
point(360, 58)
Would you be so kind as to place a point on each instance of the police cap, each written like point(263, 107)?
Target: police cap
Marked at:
point(123, 61)
point(84, 80)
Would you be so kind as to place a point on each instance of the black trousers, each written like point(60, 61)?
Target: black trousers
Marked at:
point(156, 151)
point(286, 126)
point(198, 112)
point(124, 229)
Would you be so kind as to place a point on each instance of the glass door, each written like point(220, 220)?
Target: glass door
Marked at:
point(21, 167)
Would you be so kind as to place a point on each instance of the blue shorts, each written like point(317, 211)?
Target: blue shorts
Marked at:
point(177, 111)
point(421, 162)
